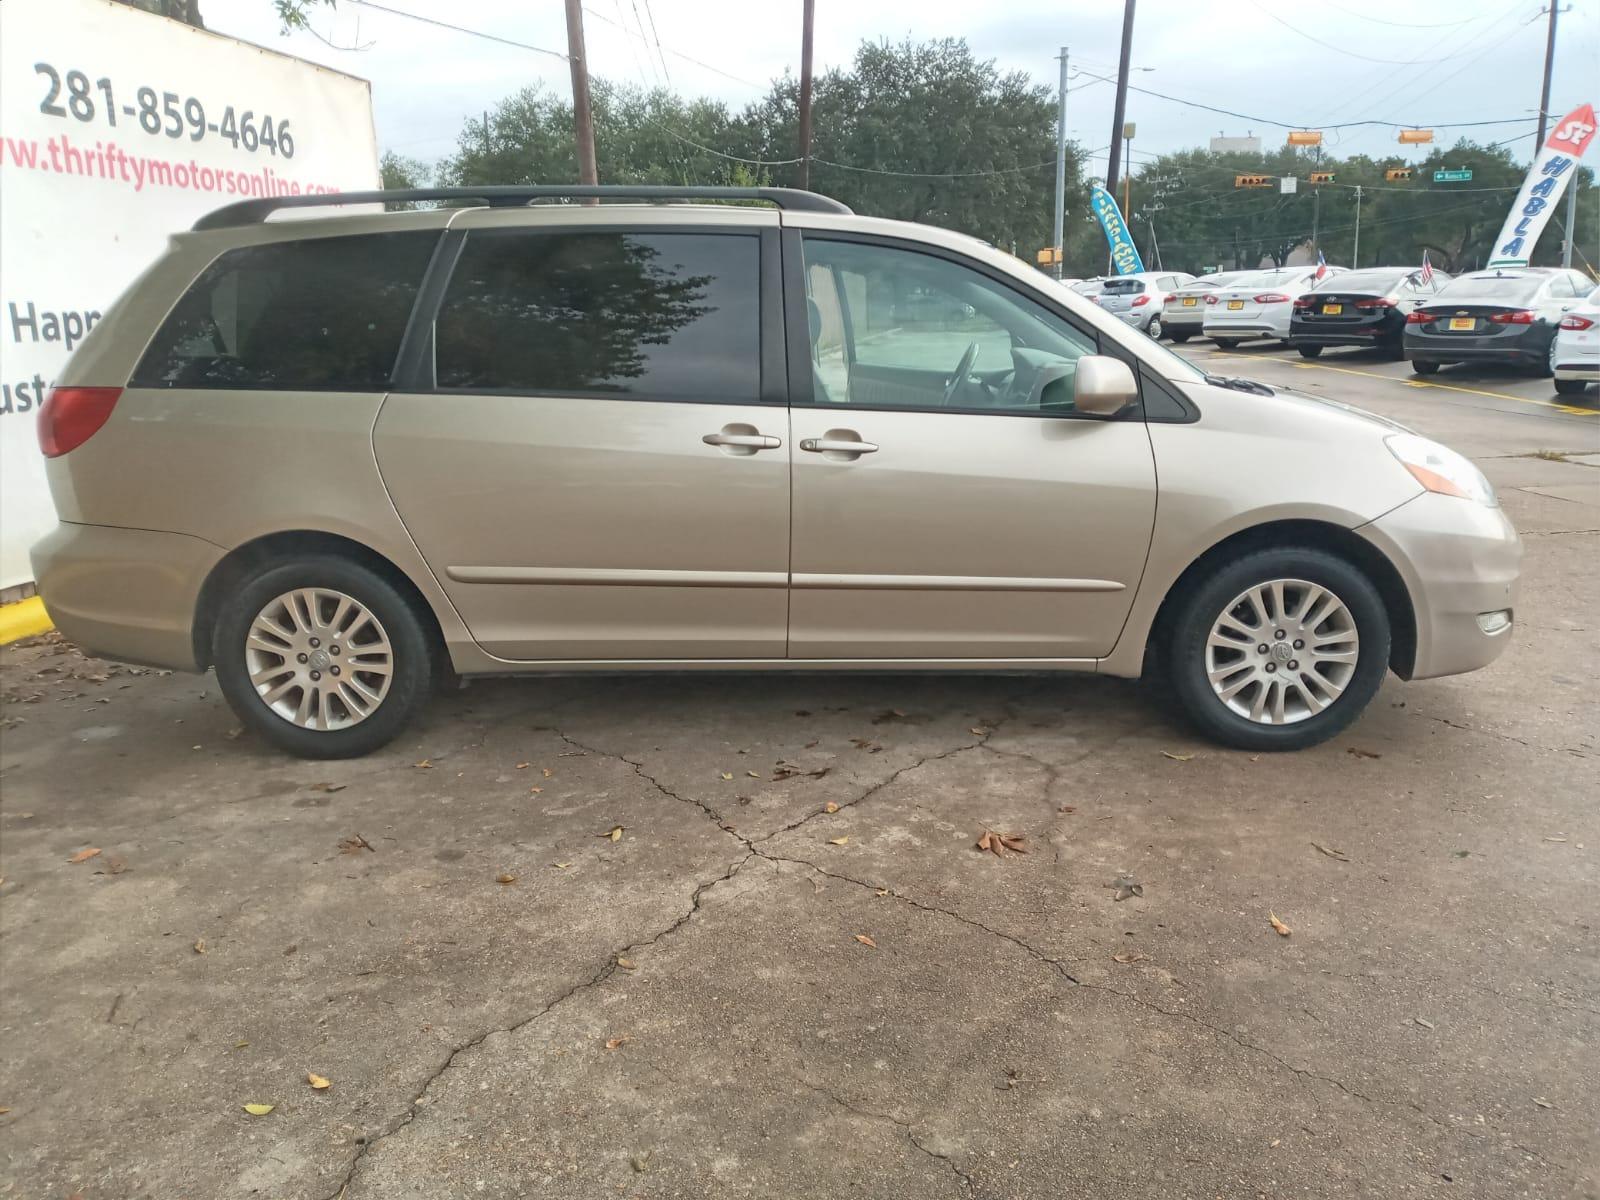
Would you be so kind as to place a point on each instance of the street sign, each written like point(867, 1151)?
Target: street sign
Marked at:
point(1288, 185)
point(1452, 176)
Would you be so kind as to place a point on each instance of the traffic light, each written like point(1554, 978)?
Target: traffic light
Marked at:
point(1049, 256)
point(1397, 174)
point(1322, 177)
point(1252, 181)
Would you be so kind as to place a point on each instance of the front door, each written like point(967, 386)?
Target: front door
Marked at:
point(592, 466)
point(948, 502)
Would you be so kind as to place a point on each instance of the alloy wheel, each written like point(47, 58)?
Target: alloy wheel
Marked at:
point(319, 659)
point(1282, 651)
point(1154, 329)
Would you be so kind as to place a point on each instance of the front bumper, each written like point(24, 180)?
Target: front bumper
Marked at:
point(126, 594)
point(1460, 561)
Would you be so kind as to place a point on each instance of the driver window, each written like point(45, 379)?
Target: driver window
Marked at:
point(893, 328)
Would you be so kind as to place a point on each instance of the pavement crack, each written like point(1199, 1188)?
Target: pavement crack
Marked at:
point(1504, 737)
point(583, 985)
point(906, 1127)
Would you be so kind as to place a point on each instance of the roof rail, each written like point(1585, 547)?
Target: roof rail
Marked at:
point(251, 212)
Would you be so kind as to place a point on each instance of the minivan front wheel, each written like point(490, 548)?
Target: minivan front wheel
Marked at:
point(322, 657)
point(1279, 649)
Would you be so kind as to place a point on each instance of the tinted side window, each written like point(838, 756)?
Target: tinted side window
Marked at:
point(658, 315)
point(325, 314)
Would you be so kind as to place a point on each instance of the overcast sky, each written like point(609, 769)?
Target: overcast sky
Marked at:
point(1319, 64)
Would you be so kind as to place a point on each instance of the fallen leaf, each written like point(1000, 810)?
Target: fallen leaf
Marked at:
point(830, 807)
point(1539, 1100)
point(997, 843)
point(1068, 808)
point(329, 787)
point(234, 733)
point(753, 774)
point(355, 844)
point(1283, 930)
point(1360, 753)
point(534, 791)
point(881, 892)
point(523, 766)
point(1555, 839)
point(727, 774)
point(1176, 757)
point(1424, 1022)
point(613, 1043)
point(84, 855)
point(979, 731)
point(259, 1110)
point(1339, 854)
point(200, 946)
point(240, 1045)
point(505, 878)
point(809, 746)
point(641, 1162)
point(4, 1110)
point(892, 714)
point(1275, 1143)
point(866, 941)
point(1462, 853)
point(424, 764)
point(318, 1082)
point(839, 841)
point(627, 964)
point(548, 773)
point(1125, 886)
point(562, 866)
point(863, 744)
point(616, 833)
point(1130, 957)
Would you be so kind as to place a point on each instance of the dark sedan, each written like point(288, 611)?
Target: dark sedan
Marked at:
point(1508, 315)
point(1361, 308)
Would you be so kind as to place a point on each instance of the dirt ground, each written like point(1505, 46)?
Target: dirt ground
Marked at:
point(708, 937)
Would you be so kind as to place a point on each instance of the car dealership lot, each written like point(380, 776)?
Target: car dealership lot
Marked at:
point(689, 1009)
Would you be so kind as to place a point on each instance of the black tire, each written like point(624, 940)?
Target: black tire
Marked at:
point(1203, 606)
point(411, 657)
point(1309, 351)
point(1570, 387)
point(1394, 351)
point(1180, 338)
point(1227, 343)
point(1420, 366)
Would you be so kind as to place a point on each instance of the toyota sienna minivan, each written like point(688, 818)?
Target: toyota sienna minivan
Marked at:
point(335, 458)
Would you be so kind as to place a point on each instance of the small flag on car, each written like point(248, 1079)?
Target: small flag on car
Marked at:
point(1322, 266)
point(1426, 274)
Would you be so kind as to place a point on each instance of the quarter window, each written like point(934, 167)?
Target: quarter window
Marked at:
point(896, 328)
point(324, 314)
point(669, 316)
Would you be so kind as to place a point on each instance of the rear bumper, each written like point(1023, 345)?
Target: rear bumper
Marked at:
point(1372, 337)
point(126, 594)
point(1437, 348)
point(1258, 327)
point(1589, 371)
point(1460, 562)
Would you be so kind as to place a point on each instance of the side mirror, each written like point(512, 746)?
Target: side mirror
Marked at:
point(1104, 386)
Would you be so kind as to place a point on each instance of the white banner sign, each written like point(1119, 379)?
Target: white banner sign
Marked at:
point(1555, 164)
point(117, 129)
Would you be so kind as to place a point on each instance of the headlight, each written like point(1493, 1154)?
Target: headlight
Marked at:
point(1440, 469)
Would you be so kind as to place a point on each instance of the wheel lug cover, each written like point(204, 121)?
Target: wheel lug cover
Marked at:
point(1271, 667)
point(315, 642)
point(1261, 649)
point(1293, 666)
point(1298, 645)
point(335, 670)
point(1277, 633)
point(302, 657)
point(316, 675)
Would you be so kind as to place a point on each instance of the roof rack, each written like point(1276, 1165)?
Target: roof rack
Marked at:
point(251, 212)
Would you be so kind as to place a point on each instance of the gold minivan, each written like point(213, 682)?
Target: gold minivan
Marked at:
point(336, 457)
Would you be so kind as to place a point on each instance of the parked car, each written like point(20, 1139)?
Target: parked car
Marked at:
point(1258, 304)
point(1087, 287)
point(1577, 352)
point(1140, 299)
point(1185, 308)
point(1508, 315)
point(1361, 308)
point(506, 437)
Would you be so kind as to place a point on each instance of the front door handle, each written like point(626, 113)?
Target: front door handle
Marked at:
point(741, 439)
point(830, 443)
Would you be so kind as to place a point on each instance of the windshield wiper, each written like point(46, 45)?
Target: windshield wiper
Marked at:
point(1240, 385)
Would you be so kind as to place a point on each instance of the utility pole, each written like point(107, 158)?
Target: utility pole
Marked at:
point(808, 20)
point(1549, 63)
point(1316, 215)
point(1122, 97)
point(1057, 233)
point(1572, 216)
point(1355, 254)
point(582, 117)
point(1154, 244)
point(1127, 172)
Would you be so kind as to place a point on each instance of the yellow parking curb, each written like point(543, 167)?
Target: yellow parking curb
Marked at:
point(23, 619)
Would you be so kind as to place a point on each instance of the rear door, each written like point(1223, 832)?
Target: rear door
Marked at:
point(943, 509)
point(591, 446)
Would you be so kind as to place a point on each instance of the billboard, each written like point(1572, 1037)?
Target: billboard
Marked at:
point(1552, 167)
point(118, 129)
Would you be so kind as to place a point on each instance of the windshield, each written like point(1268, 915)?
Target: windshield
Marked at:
point(1492, 289)
point(1363, 281)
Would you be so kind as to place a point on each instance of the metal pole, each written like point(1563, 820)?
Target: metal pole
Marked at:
point(1316, 216)
point(1057, 233)
point(1572, 217)
point(1154, 245)
point(1122, 99)
point(1549, 61)
point(805, 93)
point(1355, 254)
point(1127, 181)
point(582, 117)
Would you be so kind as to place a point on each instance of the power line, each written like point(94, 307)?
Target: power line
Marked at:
point(1393, 62)
point(1397, 24)
point(675, 53)
point(657, 37)
point(477, 33)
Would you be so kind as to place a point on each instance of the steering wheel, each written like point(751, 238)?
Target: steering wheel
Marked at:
point(962, 372)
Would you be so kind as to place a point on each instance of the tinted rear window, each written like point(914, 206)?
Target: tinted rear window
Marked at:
point(326, 314)
point(1123, 287)
point(663, 315)
point(1511, 289)
point(1376, 282)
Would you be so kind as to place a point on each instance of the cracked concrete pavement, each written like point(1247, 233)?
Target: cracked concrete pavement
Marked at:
point(689, 1010)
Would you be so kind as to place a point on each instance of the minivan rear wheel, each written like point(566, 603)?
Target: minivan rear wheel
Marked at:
point(1279, 649)
point(322, 657)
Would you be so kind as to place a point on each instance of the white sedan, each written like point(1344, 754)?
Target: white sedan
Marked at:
point(1575, 357)
point(1185, 308)
point(1258, 304)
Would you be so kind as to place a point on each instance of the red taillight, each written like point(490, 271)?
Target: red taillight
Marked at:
point(1520, 317)
point(1576, 322)
point(1418, 317)
point(1211, 300)
point(1138, 300)
point(73, 415)
point(1170, 300)
point(1303, 304)
point(1375, 302)
point(1272, 298)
